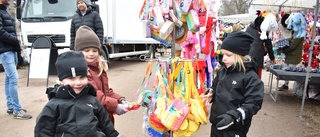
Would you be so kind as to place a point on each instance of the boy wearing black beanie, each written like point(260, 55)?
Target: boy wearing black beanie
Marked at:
point(72, 109)
point(239, 94)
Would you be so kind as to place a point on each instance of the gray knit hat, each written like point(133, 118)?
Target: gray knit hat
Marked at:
point(86, 38)
point(85, 1)
point(71, 64)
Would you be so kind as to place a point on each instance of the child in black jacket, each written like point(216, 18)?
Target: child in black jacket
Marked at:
point(73, 110)
point(237, 91)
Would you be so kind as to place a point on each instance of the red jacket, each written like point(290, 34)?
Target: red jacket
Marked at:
point(105, 95)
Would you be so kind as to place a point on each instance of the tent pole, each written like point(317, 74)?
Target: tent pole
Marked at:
point(173, 43)
point(310, 57)
point(281, 6)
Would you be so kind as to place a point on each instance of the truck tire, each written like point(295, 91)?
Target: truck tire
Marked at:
point(104, 53)
point(152, 51)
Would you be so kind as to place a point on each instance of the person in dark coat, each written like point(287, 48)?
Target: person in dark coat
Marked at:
point(257, 50)
point(73, 110)
point(85, 15)
point(237, 91)
point(9, 57)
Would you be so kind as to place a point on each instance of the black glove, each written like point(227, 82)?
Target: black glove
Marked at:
point(228, 119)
point(20, 59)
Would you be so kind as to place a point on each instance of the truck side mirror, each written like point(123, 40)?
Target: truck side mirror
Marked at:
point(53, 1)
point(95, 7)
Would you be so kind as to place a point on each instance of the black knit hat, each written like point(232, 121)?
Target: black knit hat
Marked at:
point(238, 42)
point(71, 64)
point(86, 38)
point(257, 22)
point(283, 20)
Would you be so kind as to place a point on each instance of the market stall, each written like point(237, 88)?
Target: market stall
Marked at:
point(311, 58)
point(174, 106)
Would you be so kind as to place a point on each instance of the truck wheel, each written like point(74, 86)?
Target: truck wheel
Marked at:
point(152, 51)
point(142, 57)
point(105, 53)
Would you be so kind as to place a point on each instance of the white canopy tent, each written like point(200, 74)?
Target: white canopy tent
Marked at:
point(244, 18)
point(288, 4)
point(271, 5)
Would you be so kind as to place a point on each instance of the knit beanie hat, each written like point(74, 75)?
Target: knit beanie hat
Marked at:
point(86, 38)
point(238, 42)
point(257, 22)
point(71, 64)
point(283, 20)
point(85, 1)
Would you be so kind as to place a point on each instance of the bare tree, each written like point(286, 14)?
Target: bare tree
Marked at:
point(231, 7)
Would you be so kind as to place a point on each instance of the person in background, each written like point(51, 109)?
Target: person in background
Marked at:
point(293, 57)
point(293, 53)
point(88, 42)
point(259, 48)
point(237, 91)
point(9, 52)
point(73, 110)
point(236, 27)
point(85, 15)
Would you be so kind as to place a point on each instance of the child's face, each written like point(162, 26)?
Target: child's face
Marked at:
point(91, 54)
point(228, 57)
point(76, 83)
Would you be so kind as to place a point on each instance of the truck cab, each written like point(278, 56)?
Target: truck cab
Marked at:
point(52, 18)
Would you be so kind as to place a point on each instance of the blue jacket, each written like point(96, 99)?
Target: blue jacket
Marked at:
point(8, 36)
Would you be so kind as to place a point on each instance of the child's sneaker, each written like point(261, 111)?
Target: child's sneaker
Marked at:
point(21, 115)
point(10, 111)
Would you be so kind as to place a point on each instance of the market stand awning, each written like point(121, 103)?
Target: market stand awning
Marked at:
point(305, 4)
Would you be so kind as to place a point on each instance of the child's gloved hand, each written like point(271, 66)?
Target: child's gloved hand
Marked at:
point(121, 110)
point(228, 119)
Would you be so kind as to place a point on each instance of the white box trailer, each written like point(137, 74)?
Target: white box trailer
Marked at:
point(123, 31)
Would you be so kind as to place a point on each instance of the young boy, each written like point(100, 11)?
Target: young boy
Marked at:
point(73, 110)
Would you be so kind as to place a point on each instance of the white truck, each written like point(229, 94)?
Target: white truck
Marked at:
point(123, 31)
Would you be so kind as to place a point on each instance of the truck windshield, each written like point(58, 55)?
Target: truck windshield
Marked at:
point(42, 10)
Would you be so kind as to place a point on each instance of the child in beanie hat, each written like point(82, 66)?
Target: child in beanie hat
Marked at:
point(86, 38)
point(71, 64)
point(73, 109)
point(87, 42)
point(238, 42)
point(237, 91)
